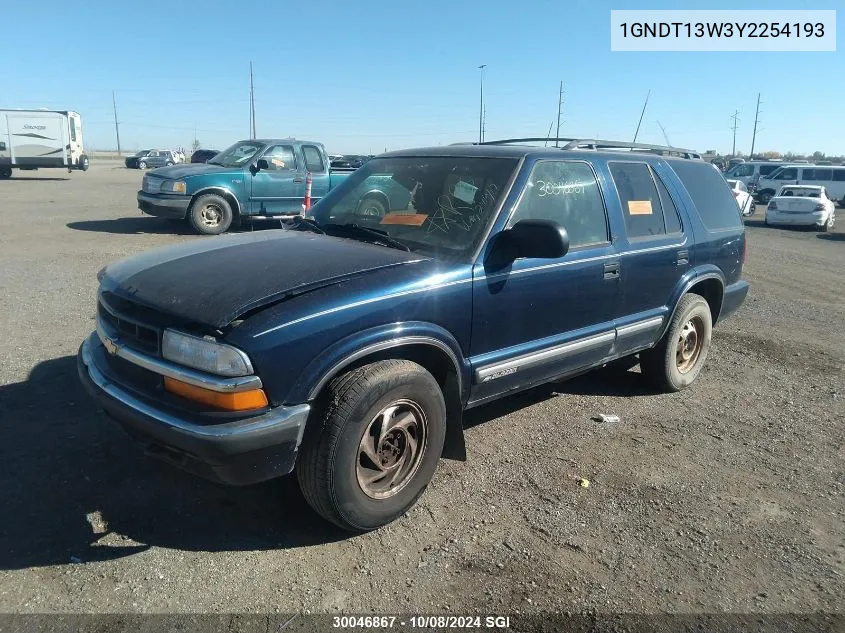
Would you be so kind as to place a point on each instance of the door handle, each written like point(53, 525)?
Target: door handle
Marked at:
point(611, 271)
point(298, 180)
point(683, 258)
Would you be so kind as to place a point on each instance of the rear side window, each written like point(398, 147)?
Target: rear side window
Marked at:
point(713, 199)
point(640, 200)
point(565, 192)
point(313, 158)
point(839, 175)
point(818, 174)
point(790, 173)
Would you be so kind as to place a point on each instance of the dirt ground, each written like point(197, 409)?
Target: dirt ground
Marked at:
point(727, 497)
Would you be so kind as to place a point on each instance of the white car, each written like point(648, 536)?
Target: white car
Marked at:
point(802, 205)
point(743, 198)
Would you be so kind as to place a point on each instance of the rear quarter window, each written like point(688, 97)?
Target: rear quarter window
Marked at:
point(714, 202)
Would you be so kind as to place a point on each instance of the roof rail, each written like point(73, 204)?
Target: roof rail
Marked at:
point(595, 144)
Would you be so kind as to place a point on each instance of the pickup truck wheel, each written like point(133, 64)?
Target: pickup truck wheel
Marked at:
point(675, 362)
point(210, 215)
point(372, 208)
point(374, 444)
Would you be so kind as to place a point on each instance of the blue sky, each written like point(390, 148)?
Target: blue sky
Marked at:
point(362, 75)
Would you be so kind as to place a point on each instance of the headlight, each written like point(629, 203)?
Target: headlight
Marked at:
point(173, 186)
point(205, 354)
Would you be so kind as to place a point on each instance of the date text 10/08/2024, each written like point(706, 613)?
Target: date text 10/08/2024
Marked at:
point(421, 622)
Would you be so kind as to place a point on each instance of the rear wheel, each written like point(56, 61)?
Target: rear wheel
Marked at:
point(142, 165)
point(168, 163)
point(83, 163)
point(210, 215)
point(6, 173)
point(764, 197)
point(675, 362)
point(373, 445)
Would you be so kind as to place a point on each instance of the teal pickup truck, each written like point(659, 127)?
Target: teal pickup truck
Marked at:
point(255, 179)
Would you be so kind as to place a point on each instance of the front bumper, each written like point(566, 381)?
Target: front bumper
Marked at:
point(163, 205)
point(237, 453)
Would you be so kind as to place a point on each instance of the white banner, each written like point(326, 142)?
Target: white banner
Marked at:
point(746, 30)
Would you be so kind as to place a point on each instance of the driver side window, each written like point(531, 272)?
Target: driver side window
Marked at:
point(565, 192)
point(280, 158)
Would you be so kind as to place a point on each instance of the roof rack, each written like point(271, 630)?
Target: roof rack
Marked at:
point(595, 144)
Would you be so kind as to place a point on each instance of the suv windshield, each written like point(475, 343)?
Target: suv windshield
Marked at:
point(440, 206)
point(237, 155)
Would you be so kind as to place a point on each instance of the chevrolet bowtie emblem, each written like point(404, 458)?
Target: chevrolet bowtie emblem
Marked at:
point(110, 345)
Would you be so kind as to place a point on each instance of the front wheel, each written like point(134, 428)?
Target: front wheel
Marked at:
point(373, 445)
point(764, 197)
point(210, 215)
point(675, 362)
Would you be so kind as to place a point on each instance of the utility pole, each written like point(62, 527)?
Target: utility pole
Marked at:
point(735, 120)
point(116, 128)
point(641, 116)
point(484, 123)
point(559, 108)
point(251, 103)
point(481, 107)
point(754, 134)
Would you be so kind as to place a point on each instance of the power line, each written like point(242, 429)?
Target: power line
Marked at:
point(559, 108)
point(665, 136)
point(735, 120)
point(756, 118)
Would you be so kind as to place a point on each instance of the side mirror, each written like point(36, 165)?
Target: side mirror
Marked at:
point(259, 165)
point(541, 239)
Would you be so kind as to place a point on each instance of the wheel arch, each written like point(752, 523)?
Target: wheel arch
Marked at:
point(709, 284)
point(224, 193)
point(423, 344)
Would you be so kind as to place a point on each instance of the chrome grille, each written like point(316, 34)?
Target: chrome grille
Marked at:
point(135, 334)
point(151, 185)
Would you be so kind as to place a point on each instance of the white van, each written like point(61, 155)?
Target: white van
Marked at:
point(832, 178)
point(750, 172)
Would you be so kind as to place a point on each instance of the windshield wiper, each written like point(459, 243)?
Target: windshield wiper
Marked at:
point(300, 221)
point(375, 235)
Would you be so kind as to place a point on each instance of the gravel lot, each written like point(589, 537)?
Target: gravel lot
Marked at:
point(727, 497)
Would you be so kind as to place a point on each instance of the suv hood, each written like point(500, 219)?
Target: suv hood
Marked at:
point(186, 170)
point(213, 281)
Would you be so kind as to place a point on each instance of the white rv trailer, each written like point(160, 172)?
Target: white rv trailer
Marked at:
point(33, 139)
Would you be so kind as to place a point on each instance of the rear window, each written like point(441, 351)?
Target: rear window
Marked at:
point(713, 199)
point(313, 158)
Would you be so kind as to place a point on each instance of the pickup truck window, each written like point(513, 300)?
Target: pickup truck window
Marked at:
point(640, 201)
point(313, 159)
point(565, 192)
point(280, 158)
point(439, 206)
point(237, 155)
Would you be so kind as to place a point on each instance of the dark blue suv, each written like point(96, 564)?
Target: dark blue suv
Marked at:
point(347, 345)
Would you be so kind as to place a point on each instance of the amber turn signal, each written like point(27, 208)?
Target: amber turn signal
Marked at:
point(237, 401)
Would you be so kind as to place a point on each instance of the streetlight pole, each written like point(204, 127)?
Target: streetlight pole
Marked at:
point(481, 105)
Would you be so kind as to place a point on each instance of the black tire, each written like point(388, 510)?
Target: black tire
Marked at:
point(168, 164)
point(372, 207)
point(668, 365)
point(84, 163)
point(5, 173)
point(203, 212)
point(331, 457)
point(142, 164)
point(765, 196)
